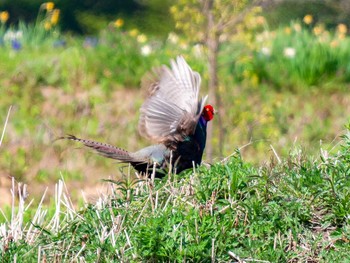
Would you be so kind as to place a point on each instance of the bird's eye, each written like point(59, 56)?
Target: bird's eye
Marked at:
point(207, 109)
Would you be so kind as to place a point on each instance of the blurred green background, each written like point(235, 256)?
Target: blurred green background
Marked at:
point(153, 16)
point(88, 17)
point(75, 67)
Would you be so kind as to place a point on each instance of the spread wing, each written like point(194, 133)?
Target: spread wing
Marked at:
point(172, 109)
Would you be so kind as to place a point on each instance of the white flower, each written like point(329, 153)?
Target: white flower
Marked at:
point(289, 52)
point(146, 50)
point(173, 38)
point(13, 35)
point(19, 34)
point(9, 35)
point(266, 51)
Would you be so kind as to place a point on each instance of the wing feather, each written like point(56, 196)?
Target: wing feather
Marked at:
point(172, 110)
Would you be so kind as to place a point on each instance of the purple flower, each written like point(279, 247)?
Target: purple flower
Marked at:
point(16, 45)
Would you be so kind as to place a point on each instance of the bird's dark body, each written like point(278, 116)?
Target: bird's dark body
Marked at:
point(190, 151)
point(187, 154)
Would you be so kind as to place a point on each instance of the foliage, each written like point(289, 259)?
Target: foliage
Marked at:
point(295, 210)
point(191, 20)
point(309, 55)
point(89, 17)
point(330, 13)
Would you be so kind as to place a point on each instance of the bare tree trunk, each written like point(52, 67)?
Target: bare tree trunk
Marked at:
point(213, 31)
point(213, 48)
point(220, 117)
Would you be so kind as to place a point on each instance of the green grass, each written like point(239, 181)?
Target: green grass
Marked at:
point(295, 210)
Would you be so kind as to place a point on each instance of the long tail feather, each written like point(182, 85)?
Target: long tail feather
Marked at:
point(103, 149)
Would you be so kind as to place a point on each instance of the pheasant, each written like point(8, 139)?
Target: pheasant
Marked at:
point(173, 116)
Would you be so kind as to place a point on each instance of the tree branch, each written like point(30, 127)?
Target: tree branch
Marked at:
point(240, 16)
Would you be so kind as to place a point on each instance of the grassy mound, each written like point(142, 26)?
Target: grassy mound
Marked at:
point(293, 210)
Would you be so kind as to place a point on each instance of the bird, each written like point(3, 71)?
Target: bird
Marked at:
point(173, 116)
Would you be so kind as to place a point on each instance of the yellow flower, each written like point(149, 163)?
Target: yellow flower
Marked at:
point(141, 38)
point(49, 6)
point(55, 16)
point(318, 30)
point(134, 32)
point(342, 29)
point(118, 23)
point(287, 30)
point(4, 16)
point(308, 19)
point(334, 43)
point(47, 25)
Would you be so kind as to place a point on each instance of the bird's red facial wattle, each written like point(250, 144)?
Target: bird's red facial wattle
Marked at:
point(208, 112)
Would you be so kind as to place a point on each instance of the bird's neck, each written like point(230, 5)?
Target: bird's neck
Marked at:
point(202, 122)
point(200, 135)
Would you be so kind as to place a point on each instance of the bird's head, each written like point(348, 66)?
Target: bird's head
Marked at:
point(208, 112)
